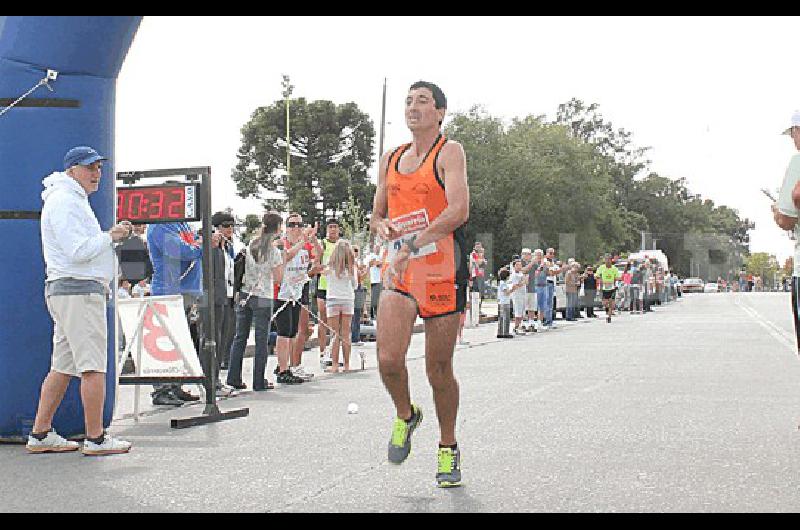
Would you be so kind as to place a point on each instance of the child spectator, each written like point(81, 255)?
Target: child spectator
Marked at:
point(504, 306)
point(340, 274)
point(519, 284)
point(124, 290)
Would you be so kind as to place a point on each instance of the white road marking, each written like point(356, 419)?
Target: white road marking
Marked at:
point(776, 332)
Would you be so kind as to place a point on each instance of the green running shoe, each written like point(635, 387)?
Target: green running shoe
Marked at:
point(400, 444)
point(449, 472)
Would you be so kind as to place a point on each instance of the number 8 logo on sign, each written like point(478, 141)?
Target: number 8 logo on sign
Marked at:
point(154, 332)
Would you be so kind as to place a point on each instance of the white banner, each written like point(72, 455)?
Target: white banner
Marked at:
point(160, 356)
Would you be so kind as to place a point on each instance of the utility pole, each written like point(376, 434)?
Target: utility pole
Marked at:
point(287, 92)
point(383, 121)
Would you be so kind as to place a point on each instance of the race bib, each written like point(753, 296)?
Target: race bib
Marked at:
point(409, 225)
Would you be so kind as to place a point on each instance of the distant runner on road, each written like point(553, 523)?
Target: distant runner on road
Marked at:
point(608, 275)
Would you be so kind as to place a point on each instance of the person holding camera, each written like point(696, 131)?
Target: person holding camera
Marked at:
point(298, 247)
point(223, 255)
point(589, 291)
point(79, 260)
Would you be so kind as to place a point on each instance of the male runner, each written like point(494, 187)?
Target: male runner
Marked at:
point(608, 275)
point(421, 204)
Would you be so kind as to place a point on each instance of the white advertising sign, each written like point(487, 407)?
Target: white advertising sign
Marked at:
point(141, 320)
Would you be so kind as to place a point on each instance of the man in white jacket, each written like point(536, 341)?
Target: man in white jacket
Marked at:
point(79, 262)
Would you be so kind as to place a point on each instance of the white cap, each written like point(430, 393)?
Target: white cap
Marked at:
point(795, 122)
point(526, 251)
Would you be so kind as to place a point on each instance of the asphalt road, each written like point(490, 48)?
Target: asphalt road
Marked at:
point(692, 408)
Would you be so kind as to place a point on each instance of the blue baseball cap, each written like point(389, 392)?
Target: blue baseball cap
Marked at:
point(81, 156)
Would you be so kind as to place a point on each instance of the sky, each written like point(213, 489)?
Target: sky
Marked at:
point(709, 95)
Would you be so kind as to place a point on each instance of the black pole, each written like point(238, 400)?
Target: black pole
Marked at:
point(208, 337)
point(211, 413)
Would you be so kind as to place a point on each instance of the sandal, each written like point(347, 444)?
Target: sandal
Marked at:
point(267, 386)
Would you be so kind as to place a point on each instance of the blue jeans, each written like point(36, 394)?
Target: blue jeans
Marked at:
point(258, 310)
point(572, 303)
point(355, 325)
point(548, 315)
point(541, 299)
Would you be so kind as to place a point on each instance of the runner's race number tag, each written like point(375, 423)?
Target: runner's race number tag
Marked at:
point(410, 225)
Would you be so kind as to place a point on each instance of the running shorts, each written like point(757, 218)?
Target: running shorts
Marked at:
point(287, 319)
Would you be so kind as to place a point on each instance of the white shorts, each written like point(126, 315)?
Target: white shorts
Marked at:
point(518, 301)
point(80, 335)
point(336, 307)
point(530, 302)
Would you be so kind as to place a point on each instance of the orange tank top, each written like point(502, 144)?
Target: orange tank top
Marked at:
point(414, 201)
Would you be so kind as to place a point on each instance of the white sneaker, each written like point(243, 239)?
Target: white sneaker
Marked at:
point(325, 358)
point(359, 343)
point(110, 446)
point(299, 371)
point(53, 443)
point(519, 332)
point(225, 391)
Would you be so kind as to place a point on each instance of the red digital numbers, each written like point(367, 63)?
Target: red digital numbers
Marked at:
point(177, 203)
point(152, 204)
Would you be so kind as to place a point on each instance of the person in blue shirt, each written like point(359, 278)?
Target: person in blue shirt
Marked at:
point(176, 253)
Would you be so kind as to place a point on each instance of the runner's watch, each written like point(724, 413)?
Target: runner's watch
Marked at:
point(411, 243)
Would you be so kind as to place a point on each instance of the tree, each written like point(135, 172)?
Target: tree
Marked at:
point(580, 175)
point(331, 150)
point(354, 223)
point(788, 266)
point(669, 210)
point(532, 177)
point(764, 265)
point(251, 223)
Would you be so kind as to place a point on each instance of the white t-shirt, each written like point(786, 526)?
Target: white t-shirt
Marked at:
point(553, 269)
point(295, 273)
point(341, 287)
point(229, 263)
point(257, 279)
point(503, 296)
point(122, 293)
point(139, 291)
point(375, 270)
point(517, 278)
point(786, 205)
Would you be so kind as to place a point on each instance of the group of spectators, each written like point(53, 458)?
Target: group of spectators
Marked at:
point(278, 285)
point(749, 282)
point(526, 289)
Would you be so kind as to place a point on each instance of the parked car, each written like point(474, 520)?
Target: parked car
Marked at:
point(692, 285)
point(711, 287)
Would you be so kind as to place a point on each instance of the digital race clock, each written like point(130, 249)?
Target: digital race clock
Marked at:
point(163, 203)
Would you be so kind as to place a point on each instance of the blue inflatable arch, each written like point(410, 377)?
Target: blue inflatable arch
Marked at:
point(87, 53)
